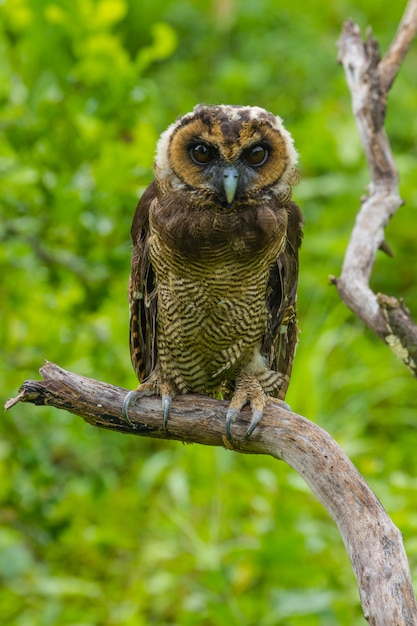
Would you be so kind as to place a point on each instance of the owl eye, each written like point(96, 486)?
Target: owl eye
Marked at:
point(256, 155)
point(201, 153)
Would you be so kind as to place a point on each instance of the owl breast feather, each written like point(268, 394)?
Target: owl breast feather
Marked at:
point(212, 309)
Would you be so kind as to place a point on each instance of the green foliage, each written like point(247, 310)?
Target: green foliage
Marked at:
point(97, 528)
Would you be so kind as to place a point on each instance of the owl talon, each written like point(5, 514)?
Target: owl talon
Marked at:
point(231, 416)
point(256, 418)
point(130, 400)
point(127, 403)
point(166, 406)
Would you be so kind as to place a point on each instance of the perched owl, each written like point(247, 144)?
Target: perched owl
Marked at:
point(215, 262)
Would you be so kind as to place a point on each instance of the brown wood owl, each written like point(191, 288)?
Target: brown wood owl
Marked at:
point(215, 262)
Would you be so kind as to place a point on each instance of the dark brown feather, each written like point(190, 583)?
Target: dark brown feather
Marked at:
point(280, 340)
point(142, 298)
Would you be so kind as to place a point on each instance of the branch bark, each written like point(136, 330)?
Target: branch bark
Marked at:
point(403, 39)
point(373, 543)
point(369, 79)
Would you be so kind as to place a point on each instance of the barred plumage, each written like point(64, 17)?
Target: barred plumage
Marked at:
point(215, 261)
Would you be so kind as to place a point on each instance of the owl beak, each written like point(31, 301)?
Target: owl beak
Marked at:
point(230, 181)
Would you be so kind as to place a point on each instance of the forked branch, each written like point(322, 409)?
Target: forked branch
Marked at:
point(372, 541)
point(369, 79)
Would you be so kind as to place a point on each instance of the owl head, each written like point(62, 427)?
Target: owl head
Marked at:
point(231, 155)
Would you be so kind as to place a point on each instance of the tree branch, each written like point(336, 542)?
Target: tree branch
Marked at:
point(369, 79)
point(401, 44)
point(373, 543)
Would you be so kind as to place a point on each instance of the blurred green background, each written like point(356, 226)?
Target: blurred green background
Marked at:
point(98, 528)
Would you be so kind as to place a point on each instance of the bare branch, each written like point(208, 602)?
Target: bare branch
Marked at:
point(372, 541)
point(369, 79)
point(401, 44)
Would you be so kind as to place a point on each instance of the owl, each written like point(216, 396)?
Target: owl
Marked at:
point(214, 271)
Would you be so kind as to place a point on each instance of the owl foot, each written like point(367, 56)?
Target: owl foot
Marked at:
point(231, 416)
point(130, 400)
point(149, 389)
point(248, 390)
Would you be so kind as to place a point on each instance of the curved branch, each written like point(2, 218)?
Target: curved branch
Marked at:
point(372, 541)
point(369, 79)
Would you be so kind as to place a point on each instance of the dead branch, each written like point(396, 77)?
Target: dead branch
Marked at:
point(373, 543)
point(402, 41)
point(369, 79)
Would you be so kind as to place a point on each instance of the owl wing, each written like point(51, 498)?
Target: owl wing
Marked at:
point(280, 339)
point(142, 295)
